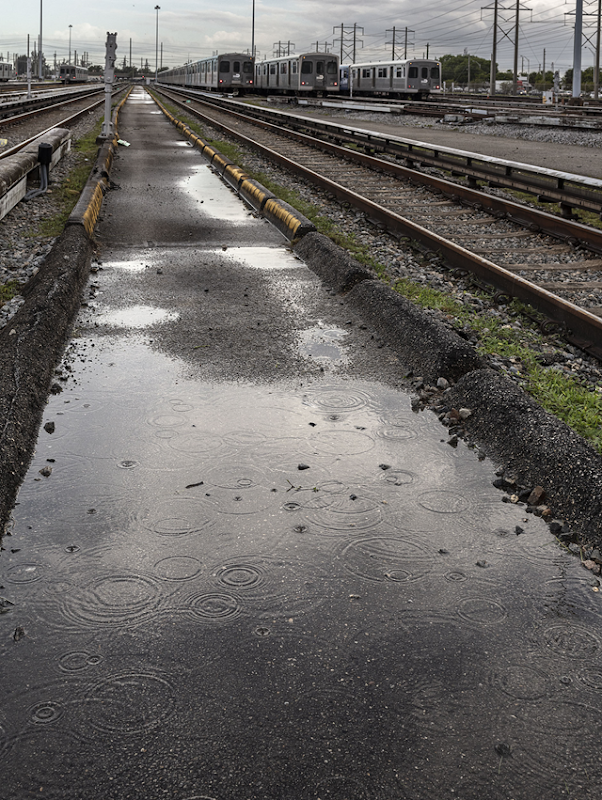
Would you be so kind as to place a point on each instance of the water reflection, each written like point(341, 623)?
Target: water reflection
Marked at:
point(298, 590)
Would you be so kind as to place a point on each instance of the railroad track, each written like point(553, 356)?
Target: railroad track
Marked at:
point(34, 131)
point(553, 263)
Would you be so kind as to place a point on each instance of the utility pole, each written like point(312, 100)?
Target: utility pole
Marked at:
point(597, 66)
point(577, 49)
point(493, 67)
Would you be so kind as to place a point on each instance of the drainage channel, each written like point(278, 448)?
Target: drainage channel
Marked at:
point(241, 564)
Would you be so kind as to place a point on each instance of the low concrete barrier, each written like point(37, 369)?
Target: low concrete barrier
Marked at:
point(16, 169)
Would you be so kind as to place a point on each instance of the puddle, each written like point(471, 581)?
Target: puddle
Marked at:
point(264, 258)
point(324, 345)
point(203, 556)
point(216, 199)
point(136, 317)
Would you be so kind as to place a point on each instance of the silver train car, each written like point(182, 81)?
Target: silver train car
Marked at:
point(307, 73)
point(69, 73)
point(226, 73)
point(411, 78)
point(7, 72)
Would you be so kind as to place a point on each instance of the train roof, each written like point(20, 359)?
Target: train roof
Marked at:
point(298, 55)
point(394, 63)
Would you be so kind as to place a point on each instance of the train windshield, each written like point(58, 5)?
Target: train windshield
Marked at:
point(224, 66)
point(307, 68)
point(435, 73)
point(331, 68)
point(247, 67)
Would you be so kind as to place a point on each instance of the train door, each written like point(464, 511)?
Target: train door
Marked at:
point(320, 81)
point(294, 74)
point(236, 73)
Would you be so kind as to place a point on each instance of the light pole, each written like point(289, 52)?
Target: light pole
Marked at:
point(157, 44)
point(253, 36)
point(70, 26)
point(40, 70)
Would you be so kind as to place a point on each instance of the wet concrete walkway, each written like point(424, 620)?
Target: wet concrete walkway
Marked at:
point(243, 568)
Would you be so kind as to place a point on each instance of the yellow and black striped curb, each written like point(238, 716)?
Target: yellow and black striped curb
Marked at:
point(283, 216)
point(87, 208)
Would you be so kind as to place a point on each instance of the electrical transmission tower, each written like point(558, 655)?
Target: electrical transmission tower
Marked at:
point(397, 45)
point(349, 41)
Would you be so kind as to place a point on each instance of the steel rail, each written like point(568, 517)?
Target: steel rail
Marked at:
point(585, 328)
point(46, 106)
point(553, 186)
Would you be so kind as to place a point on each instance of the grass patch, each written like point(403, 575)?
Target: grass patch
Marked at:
point(72, 186)
point(8, 291)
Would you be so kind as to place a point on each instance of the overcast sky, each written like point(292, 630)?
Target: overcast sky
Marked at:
point(191, 30)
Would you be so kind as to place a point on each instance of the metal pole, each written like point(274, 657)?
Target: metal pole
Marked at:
point(577, 49)
point(70, 26)
point(157, 44)
point(597, 66)
point(393, 51)
point(515, 72)
point(41, 75)
point(28, 70)
point(493, 69)
point(253, 33)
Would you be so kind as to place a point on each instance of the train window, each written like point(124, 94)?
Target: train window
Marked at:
point(400, 72)
point(320, 67)
point(425, 72)
point(273, 69)
point(294, 68)
point(236, 66)
point(331, 68)
point(283, 68)
point(435, 73)
point(354, 74)
point(413, 72)
point(247, 67)
point(382, 72)
point(366, 73)
point(307, 68)
point(224, 66)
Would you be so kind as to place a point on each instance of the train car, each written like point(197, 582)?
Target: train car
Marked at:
point(308, 73)
point(410, 78)
point(69, 73)
point(7, 72)
point(230, 72)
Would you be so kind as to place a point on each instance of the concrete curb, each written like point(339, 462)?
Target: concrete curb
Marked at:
point(534, 446)
point(33, 341)
point(331, 263)
point(283, 216)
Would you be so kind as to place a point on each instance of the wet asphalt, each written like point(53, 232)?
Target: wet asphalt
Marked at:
point(242, 567)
